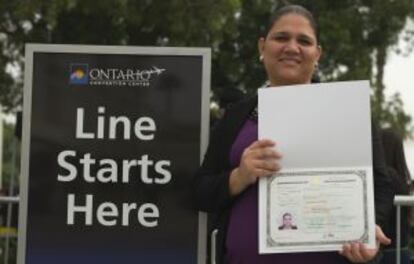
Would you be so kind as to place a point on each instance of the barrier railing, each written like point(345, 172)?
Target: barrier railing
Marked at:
point(401, 200)
point(9, 200)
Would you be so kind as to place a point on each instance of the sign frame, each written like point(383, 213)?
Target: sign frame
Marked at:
point(31, 49)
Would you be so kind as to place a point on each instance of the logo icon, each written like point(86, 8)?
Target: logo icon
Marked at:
point(79, 73)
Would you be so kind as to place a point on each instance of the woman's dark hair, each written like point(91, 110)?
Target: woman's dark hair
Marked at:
point(286, 214)
point(293, 9)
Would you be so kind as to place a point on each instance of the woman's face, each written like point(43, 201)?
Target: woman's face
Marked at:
point(290, 51)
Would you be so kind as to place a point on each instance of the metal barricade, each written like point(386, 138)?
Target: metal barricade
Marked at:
point(9, 200)
point(401, 200)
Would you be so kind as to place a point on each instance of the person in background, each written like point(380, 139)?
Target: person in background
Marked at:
point(226, 183)
point(398, 171)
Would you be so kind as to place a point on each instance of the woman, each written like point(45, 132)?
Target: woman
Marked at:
point(226, 183)
point(400, 178)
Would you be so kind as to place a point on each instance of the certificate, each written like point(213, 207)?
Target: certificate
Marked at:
point(323, 196)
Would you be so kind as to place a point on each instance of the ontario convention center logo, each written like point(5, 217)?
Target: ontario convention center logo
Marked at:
point(79, 73)
point(83, 74)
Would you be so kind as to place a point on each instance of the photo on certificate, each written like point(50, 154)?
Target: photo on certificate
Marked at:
point(316, 210)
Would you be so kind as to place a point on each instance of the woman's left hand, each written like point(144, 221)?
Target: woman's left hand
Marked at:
point(359, 253)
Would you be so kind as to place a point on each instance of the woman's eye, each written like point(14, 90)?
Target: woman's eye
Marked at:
point(281, 38)
point(305, 42)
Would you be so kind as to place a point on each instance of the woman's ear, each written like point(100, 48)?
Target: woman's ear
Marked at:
point(320, 52)
point(260, 47)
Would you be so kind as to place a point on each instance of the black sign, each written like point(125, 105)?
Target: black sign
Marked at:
point(111, 143)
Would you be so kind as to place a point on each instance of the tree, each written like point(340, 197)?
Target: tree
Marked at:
point(365, 32)
point(106, 22)
point(11, 156)
point(356, 37)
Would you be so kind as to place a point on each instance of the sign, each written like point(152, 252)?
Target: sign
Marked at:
point(111, 138)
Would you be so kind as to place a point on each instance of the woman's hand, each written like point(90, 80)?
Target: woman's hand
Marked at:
point(258, 160)
point(359, 253)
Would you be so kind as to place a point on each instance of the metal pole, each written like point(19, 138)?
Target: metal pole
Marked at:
point(9, 199)
point(398, 255)
point(404, 200)
point(213, 246)
point(401, 200)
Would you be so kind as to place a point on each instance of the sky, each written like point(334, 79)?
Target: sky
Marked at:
point(399, 77)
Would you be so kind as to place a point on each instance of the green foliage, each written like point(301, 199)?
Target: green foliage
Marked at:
point(393, 115)
point(356, 37)
point(11, 155)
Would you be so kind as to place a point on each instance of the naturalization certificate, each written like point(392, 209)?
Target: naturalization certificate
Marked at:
point(323, 196)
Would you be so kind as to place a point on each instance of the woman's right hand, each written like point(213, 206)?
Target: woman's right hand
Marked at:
point(258, 160)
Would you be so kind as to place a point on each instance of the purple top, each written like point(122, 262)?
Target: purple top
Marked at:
point(242, 236)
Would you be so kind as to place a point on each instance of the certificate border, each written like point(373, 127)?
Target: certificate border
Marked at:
point(270, 242)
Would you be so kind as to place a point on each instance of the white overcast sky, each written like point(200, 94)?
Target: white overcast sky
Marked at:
point(399, 77)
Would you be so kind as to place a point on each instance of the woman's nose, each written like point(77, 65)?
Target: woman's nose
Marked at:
point(292, 46)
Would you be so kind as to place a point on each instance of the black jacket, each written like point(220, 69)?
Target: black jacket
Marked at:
point(400, 177)
point(211, 181)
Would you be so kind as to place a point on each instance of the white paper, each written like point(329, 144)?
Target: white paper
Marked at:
point(323, 131)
